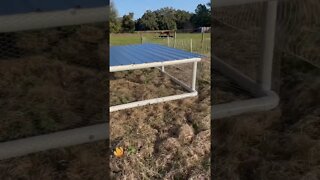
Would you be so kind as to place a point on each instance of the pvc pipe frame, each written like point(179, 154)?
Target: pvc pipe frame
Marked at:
point(59, 139)
point(265, 99)
point(192, 89)
point(41, 20)
point(150, 65)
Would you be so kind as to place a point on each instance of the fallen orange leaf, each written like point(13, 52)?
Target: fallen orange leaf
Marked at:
point(118, 152)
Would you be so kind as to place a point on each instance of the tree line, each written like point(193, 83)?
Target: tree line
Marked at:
point(162, 19)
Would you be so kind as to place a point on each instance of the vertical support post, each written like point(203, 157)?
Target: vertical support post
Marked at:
point(265, 69)
point(175, 39)
point(190, 45)
point(202, 39)
point(141, 37)
point(162, 68)
point(194, 76)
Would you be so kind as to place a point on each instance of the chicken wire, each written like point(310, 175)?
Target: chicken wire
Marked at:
point(297, 31)
point(52, 79)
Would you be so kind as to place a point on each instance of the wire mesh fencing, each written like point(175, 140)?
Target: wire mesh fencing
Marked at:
point(192, 42)
point(52, 79)
point(297, 31)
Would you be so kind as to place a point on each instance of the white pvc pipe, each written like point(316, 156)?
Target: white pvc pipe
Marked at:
point(194, 76)
point(41, 20)
point(244, 81)
point(152, 101)
point(268, 102)
point(265, 100)
point(150, 65)
point(60, 139)
point(162, 68)
point(266, 64)
point(179, 82)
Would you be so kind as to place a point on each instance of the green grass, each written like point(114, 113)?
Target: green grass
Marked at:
point(182, 42)
point(134, 38)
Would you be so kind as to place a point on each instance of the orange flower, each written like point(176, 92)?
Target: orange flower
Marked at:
point(118, 152)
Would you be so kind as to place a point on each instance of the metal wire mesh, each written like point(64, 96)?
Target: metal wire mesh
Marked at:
point(297, 30)
point(52, 79)
point(192, 42)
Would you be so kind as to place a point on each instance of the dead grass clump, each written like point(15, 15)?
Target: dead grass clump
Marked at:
point(170, 144)
point(186, 134)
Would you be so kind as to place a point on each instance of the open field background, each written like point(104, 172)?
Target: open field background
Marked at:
point(51, 80)
point(163, 141)
point(183, 41)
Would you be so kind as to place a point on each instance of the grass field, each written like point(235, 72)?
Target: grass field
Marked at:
point(162, 141)
point(183, 41)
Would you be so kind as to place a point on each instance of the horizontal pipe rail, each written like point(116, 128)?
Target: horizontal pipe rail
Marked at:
point(150, 65)
point(152, 101)
point(59, 139)
point(268, 102)
point(42, 20)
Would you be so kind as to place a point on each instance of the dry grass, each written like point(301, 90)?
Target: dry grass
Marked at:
point(278, 144)
point(54, 80)
point(83, 162)
point(163, 141)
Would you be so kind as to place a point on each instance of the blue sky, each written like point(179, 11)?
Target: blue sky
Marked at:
point(138, 7)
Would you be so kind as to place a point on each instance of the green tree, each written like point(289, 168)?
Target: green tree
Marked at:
point(202, 16)
point(148, 21)
point(127, 23)
point(114, 22)
point(166, 18)
point(182, 19)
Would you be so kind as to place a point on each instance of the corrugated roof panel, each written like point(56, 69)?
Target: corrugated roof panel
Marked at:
point(146, 53)
point(10, 7)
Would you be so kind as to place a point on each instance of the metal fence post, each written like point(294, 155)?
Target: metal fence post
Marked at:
point(190, 45)
point(202, 39)
point(175, 39)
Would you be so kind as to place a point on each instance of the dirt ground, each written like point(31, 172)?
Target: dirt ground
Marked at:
point(162, 141)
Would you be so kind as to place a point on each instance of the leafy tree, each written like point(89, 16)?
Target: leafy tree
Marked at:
point(114, 23)
point(166, 18)
point(127, 23)
point(202, 16)
point(182, 19)
point(148, 21)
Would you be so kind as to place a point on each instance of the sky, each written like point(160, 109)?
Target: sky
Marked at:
point(138, 7)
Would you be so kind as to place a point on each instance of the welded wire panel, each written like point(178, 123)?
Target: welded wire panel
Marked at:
point(146, 53)
point(10, 7)
point(297, 25)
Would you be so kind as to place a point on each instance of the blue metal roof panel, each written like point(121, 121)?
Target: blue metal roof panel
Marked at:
point(10, 7)
point(146, 53)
